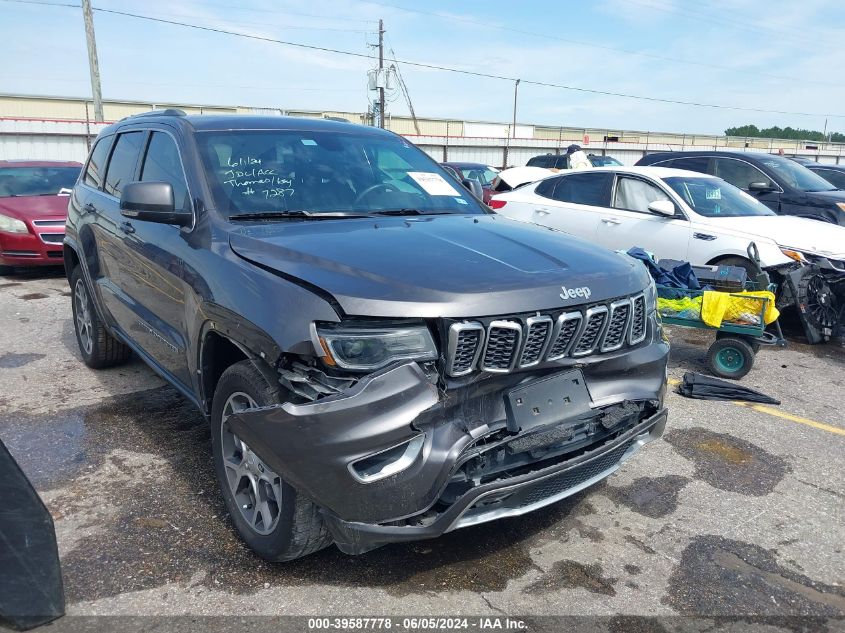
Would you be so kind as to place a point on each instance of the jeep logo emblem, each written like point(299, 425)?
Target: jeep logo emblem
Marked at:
point(583, 292)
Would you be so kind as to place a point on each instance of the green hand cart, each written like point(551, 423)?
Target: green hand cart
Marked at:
point(737, 342)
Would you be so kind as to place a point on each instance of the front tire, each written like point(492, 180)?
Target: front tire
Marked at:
point(99, 349)
point(273, 518)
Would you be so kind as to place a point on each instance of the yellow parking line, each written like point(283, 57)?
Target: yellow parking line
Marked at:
point(793, 418)
point(780, 414)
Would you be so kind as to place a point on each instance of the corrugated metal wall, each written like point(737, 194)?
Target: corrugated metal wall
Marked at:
point(56, 127)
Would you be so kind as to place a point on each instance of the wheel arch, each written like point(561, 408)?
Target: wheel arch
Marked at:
point(224, 341)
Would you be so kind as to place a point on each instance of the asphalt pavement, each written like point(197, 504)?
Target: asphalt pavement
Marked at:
point(738, 511)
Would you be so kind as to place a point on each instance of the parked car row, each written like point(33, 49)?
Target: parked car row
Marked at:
point(778, 182)
point(697, 217)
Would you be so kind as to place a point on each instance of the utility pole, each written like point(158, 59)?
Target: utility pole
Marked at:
point(515, 90)
point(93, 66)
point(381, 73)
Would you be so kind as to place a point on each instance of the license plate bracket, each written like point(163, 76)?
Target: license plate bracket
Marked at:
point(547, 401)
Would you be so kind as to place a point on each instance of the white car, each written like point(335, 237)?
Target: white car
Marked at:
point(673, 213)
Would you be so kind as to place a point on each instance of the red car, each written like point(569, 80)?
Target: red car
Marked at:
point(33, 209)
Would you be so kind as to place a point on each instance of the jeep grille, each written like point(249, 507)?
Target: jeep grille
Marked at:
point(512, 343)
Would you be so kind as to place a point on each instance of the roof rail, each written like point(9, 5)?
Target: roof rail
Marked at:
point(165, 112)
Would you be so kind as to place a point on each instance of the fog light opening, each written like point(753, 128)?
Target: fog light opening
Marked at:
point(387, 462)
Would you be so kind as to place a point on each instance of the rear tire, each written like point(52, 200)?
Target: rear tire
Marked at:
point(730, 357)
point(273, 518)
point(99, 349)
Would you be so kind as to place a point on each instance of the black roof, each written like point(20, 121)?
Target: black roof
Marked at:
point(215, 122)
point(832, 166)
point(655, 157)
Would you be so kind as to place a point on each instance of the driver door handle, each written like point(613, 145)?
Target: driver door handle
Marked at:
point(613, 221)
point(543, 212)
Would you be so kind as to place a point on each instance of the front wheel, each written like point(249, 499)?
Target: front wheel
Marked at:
point(730, 357)
point(271, 516)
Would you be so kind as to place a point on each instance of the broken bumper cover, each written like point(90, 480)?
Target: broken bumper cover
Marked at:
point(312, 446)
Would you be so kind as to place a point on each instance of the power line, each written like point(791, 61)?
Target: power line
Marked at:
point(603, 47)
point(430, 66)
point(736, 22)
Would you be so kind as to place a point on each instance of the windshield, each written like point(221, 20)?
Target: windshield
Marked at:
point(796, 175)
point(604, 161)
point(714, 198)
point(36, 181)
point(292, 171)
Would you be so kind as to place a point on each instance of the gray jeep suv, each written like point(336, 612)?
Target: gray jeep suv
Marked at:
point(380, 357)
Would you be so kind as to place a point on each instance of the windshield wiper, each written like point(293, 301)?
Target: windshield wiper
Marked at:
point(297, 213)
point(409, 212)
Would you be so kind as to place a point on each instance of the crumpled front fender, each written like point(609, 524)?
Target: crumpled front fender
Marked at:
point(311, 445)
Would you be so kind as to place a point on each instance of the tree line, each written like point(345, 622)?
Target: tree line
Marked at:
point(783, 132)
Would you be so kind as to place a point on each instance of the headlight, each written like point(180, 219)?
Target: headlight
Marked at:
point(12, 225)
point(367, 349)
point(798, 256)
point(841, 206)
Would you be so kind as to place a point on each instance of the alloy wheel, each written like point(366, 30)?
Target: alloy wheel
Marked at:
point(256, 489)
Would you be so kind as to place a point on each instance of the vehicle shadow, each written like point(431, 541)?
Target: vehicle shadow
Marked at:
point(23, 275)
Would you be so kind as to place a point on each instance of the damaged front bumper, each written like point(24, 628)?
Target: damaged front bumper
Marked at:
point(394, 458)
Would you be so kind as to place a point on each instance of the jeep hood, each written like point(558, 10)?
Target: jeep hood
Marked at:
point(801, 234)
point(438, 266)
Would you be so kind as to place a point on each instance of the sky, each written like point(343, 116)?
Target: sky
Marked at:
point(782, 55)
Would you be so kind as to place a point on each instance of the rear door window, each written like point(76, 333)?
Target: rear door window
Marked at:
point(546, 188)
point(739, 173)
point(124, 159)
point(586, 188)
point(97, 162)
point(162, 164)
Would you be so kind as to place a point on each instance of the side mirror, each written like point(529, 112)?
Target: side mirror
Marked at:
point(662, 207)
point(759, 187)
point(474, 187)
point(152, 202)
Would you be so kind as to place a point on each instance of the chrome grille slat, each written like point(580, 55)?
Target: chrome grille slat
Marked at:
point(617, 325)
point(502, 346)
point(594, 322)
point(566, 329)
point(465, 342)
point(638, 320)
point(50, 223)
point(537, 334)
